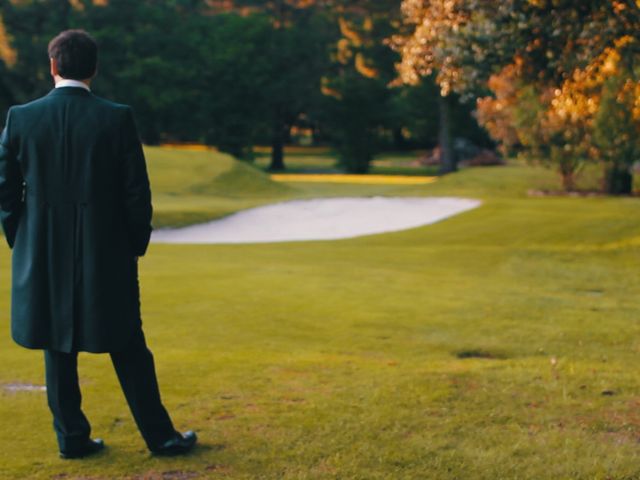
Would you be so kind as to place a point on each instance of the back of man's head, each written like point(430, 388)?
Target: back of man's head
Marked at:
point(75, 53)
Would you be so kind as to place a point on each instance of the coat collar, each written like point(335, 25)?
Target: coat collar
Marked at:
point(69, 91)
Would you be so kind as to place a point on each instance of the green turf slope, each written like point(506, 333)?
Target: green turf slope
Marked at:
point(194, 186)
point(503, 343)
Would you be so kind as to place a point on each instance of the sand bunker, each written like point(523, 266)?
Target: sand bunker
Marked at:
point(319, 219)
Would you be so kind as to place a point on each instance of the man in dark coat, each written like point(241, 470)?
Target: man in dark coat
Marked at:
point(75, 206)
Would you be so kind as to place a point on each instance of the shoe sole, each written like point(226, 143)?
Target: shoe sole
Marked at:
point(174, 452)
point(77, 456)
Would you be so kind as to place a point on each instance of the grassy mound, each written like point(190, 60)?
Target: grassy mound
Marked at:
point(501, 343)
point(194, 186)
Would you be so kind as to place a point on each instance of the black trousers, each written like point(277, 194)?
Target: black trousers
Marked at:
point(136, 373)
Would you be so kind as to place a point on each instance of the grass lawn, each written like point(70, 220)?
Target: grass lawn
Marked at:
point(503, 343)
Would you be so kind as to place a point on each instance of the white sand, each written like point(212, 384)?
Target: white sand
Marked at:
point(319, 219)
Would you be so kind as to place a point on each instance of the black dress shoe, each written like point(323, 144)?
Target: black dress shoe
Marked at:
point(180, 444)
point(89, 448)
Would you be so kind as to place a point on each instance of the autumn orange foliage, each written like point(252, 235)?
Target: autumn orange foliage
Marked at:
point(547, 95)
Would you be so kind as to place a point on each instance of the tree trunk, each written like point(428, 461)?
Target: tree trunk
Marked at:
point(277, 145)
point(618, 180)
point(277, 154)
point(399, 142)
point(568, 181)
point(448, 162)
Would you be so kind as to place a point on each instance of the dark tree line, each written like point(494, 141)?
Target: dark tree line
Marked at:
point(239, 73)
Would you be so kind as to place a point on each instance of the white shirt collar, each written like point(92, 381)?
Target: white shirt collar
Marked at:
point(72, 83)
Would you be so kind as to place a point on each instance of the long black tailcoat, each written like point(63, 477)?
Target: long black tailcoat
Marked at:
point(75, 206)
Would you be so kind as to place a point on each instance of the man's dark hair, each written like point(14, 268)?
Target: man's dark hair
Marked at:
point(75, 53)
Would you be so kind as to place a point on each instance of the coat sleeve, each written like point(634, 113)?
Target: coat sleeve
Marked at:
point(11, 185)
point(136, 189)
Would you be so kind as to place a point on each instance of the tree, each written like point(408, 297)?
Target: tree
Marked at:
point(424, 53)
point(234, 73)
point(297, 49)
point(617, 132)
point(146, 60)
point(133, 44)
point(190, 76)
point(548, 42)
point(26, 30)
point(299, 56)
point(360, 109)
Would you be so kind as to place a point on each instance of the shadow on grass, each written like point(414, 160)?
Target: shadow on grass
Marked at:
point(480, 353)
